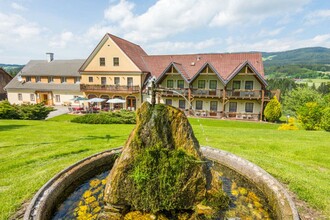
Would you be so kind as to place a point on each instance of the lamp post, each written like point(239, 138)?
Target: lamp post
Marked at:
point(287, 119)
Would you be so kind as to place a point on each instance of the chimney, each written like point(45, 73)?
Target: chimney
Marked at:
point(50, 57)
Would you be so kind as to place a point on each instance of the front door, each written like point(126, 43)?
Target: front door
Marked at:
point(131, 103)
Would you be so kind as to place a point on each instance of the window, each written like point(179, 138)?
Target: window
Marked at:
point(57, 98)
point(102, 61)
point(63, 79)
point(130, 81)
point(237, 85)
point(90, 79)
point(32, 97)
point(182, 104)
point(117, 80)
point(232, 106)
point(103, 80)
point(180, 84)
point(50, 79)
point(214, 106)
point(170, 83)
point(116, 61)
point(20, 97)
point(38, 78)
point(249, 107)
point(168, 101)
point(199, 105)
point(249, 85)
point(213, 84)
point(201, 84)
point(77, 79)
point(28, 78)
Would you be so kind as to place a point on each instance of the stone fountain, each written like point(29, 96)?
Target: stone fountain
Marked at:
point(161, 173)
point(161, 169)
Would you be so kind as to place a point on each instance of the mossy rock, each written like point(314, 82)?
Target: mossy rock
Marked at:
point(161, 167)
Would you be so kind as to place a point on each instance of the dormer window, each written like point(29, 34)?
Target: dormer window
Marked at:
point(63, 79)
point(28, 78)
point(77, 79)
point(116, 61)
point(50, 79)
point(38, 78)
point(102, 61)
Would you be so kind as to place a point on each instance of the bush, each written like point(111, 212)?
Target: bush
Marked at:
point(325, 120)
point(273, 110)
point(289, 126)
point(310, 116)
point(34, 111)
point(25, 112)
point(8, 111)
point(121, 117)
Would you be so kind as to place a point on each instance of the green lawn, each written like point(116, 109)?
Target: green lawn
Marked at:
point(31, 152)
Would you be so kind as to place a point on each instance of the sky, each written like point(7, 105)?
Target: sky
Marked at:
point(71, 29)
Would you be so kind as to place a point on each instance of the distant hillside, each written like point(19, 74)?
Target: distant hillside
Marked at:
point(12, 69)
point(304, 63)
point(311, 55)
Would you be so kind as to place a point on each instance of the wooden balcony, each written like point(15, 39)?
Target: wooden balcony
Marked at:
point(207, 93)
point(243, 94)
point(177, 92)
point(110, 88)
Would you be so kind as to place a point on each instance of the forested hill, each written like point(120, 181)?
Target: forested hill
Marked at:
point(12, 69)
point(304, 63)
point(311, 55)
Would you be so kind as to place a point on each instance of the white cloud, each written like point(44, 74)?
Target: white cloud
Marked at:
point(168, 18)
point(17, 6)
point(317, 16)
point(17, 28)
point(281, 44)
point(270, 33)
point(184, 47)
point(62, 40)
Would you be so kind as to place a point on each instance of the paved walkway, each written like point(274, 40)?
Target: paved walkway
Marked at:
point(60, 110)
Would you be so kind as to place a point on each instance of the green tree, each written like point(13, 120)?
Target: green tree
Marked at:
point(283, 84)
point(273, 110)
point(298, 97)
point(310, 116)
point(324, 88)
point(325, 120)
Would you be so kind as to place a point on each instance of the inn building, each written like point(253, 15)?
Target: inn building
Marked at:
point(228, 85)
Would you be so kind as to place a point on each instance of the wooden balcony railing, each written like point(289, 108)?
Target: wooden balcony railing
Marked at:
point(207, 92)
point(174, 92)
point(240, 93)
point(110, 88)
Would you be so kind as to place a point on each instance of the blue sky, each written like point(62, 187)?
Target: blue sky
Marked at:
point(72, 28)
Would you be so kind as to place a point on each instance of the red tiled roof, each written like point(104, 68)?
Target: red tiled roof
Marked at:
point(133, 51)
point(225, 64)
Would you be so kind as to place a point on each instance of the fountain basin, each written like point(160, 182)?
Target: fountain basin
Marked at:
point(55, 190)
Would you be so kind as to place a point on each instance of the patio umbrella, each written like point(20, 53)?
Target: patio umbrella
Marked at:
point(116, 101)
point(79, 98)
point(96, 100)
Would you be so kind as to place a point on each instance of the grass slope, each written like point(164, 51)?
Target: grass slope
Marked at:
point(31, 152)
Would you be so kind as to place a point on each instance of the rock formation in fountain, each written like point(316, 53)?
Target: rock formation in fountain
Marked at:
point(161, 169)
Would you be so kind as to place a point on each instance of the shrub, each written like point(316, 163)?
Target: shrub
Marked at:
point(273, 110)
point(325, 120)
point(25, 112)
point(289, 126)
point(34, 111)
point(121, 117)
point(310, 116)
point(8, 111)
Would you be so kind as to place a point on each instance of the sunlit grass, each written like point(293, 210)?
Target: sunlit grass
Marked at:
point(32, 152)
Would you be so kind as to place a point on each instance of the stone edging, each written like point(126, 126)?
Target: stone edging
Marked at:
point(273, 190)
point(41, 205)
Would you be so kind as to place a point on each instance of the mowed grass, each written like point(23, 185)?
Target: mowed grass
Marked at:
point(300, 159)
point(32, 152)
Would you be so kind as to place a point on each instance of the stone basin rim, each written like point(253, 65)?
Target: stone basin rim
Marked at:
point(272, 189)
